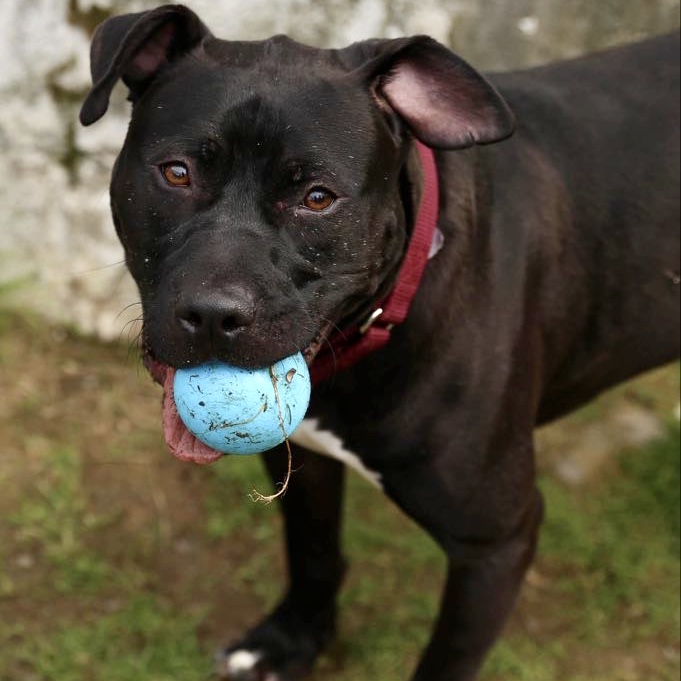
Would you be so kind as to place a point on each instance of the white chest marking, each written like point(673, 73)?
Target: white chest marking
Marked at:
point(310, 435)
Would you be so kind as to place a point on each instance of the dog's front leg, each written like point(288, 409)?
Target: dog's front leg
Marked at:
point(286, 644)
point(484, 576)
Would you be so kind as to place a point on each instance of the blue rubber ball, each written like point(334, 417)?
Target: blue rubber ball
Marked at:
point(235, 411)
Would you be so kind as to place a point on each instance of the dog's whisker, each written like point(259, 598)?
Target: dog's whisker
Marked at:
point(81, 273)
point(128, 307)
point(133, 328)
point(130, 329)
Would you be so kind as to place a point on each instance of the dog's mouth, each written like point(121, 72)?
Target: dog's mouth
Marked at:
point(180, 441)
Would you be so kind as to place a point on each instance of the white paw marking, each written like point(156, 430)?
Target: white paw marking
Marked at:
point(310, 435)
point(239, 661)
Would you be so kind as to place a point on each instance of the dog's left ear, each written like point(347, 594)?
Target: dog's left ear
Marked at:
point(134, 48)
point(443, 100)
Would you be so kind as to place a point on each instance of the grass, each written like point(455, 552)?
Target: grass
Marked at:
point(118, 562)
point(638, 505)
point(143, 639)
point(57, 519)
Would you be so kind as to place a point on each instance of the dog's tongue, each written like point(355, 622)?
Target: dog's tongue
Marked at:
point(180, 441)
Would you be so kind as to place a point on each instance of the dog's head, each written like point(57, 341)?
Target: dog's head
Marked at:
point(261, 193)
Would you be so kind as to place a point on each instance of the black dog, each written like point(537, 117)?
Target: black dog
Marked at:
point(273, 197)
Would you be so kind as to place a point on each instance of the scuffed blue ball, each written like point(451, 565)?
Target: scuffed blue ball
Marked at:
point(234, 410)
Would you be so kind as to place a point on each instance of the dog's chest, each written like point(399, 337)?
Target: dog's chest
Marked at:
point(309, 434)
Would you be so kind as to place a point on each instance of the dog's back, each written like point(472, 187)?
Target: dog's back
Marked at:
point(605, 128)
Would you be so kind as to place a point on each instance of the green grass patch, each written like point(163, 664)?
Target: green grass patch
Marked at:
point(518, 658)
point(229, 507)
point(144, 640)
point(615, 545)
point(55, 517)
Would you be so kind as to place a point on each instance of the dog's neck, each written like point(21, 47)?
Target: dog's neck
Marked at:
point(411, 190)
point(391, 305)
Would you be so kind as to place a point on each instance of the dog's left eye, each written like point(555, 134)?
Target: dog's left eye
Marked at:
point(176, 174)
point(318, 199)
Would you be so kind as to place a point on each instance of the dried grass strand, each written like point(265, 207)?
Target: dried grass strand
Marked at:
point(268, 499)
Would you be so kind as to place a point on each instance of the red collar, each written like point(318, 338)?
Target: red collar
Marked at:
point(349, 346)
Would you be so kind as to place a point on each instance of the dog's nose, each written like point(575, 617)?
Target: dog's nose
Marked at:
point(216, 316)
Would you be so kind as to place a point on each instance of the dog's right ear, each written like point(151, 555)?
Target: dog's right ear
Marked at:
point(134, 47)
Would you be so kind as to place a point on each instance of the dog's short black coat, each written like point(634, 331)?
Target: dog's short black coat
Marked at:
point(267, 189)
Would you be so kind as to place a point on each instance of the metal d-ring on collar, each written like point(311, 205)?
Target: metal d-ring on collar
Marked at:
point(369, 322)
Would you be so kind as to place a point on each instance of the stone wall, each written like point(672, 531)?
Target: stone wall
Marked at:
point(58, 251)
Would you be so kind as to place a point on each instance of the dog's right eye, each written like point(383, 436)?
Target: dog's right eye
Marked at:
point(176, 174)
point(318, 199)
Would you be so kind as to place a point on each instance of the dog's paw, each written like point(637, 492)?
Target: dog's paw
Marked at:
point(283, 648)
